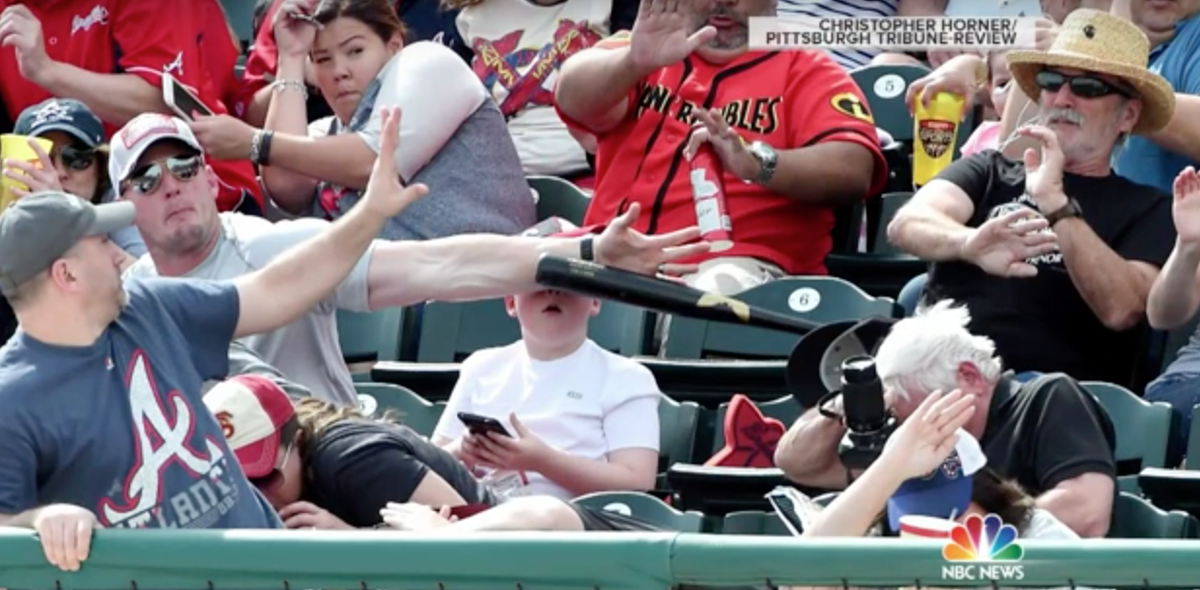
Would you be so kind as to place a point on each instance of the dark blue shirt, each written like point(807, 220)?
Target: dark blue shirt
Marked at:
point(119, 427)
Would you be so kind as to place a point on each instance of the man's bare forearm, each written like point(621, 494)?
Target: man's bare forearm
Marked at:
point(928, 234)
point(114, 98)
point(459, 268)
point(297, 280)
point(594, 83)
point(1173, 297)
point(23, 519)
point(807, 453)
point(1114, 290)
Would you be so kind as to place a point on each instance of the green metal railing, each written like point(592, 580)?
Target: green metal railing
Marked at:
point(260, 560)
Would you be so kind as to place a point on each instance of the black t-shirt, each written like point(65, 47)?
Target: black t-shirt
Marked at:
point(8, 321)
point(356, 467)
point(1043, 323)
point(1046, 431)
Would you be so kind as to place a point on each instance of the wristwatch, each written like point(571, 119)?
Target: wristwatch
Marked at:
point(1071, 209)
point(767, 159)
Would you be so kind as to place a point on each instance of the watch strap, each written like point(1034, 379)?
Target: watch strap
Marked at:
point(766, 163)
point(1071, 209)
point(587, 249)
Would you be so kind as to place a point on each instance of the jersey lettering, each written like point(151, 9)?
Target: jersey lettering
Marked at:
point(756, 115)
point(98, 16)
point(160, 441)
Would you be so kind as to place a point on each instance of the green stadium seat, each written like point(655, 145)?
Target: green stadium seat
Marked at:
point(753, 522)
point(1142, 429)
point(1137, 518)
point(370, 336)
point(646, 508)
point(678, 425)
point(819, 299)
point(558, 197)
point(414, 411)
point(884, 87)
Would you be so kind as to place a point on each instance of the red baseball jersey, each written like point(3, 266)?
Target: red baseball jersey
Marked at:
point(141, 37)
point(788, 100)
point(260, 63)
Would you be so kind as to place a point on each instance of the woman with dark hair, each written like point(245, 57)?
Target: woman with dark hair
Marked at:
point(930, 467)
point(327, 466)
point(77, 162)
point(453, 137)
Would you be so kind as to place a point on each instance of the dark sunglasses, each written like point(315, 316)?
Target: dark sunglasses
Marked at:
point(75, 157)
point(1083, 86)
point(272, 480)
point(147, 178)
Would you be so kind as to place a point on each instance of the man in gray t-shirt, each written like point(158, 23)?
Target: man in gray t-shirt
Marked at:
point(154, 165)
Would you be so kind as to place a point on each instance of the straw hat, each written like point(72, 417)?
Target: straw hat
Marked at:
point(1100, 42)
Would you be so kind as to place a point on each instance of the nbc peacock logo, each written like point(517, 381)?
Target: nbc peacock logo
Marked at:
point(983, 548)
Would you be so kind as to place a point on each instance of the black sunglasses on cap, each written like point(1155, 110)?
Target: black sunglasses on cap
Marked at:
point(147, 178)
point(1083, 85)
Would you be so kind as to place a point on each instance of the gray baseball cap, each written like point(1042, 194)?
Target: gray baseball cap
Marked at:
point(38, 229)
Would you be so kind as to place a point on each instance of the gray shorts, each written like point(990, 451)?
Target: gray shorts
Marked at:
point(598, 519)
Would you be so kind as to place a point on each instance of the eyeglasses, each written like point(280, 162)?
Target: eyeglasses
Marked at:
point(75, 157)
point(1083, 86)
point(273, 479)
point(147, 178)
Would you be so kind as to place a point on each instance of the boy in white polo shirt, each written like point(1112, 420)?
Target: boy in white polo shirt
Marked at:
point(581, 419)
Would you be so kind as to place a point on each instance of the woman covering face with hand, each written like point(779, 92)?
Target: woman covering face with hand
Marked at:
point(77, 163)
point(453, 137)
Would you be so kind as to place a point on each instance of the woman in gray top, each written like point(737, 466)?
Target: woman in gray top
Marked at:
point(453, 137)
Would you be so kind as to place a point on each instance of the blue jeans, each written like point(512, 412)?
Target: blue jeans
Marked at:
point(1182, 391)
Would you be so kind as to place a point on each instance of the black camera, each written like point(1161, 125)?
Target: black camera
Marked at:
point(868, 421)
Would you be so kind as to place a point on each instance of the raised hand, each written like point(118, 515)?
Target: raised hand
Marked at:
point(40, 177)
point(294, 32)
point(1002, 245)
point(1186, 207)
point(385, 195)
point(662, 34)
point(623, 247)
point(22, 31)
point(1044, 172)
point(927, 437)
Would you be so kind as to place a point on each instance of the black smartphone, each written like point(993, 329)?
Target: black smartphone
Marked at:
point(180, 100)
point(477, 424)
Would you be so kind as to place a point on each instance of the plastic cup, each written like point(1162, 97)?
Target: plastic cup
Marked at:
point(925, 527)
point(16, 147)
point(935, 133)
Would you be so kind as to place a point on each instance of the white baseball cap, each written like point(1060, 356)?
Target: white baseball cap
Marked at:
point(138, 135)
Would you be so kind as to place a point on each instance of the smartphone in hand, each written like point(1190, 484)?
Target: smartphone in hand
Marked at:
point(180, 100)
point(479, 425)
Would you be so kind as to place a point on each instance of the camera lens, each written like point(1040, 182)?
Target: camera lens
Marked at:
point(859, 370)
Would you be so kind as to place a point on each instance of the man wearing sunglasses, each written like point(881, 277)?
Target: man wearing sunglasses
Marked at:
point(104, 423)
point(1055, 255)
point(156, 163)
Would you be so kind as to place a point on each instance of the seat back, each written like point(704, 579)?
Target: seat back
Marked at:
point(753, 522)
point(785, 409)
point(1142, 428)
point(890, 203)
point(558, 197)
point(646, 508)
point(678, 425)
point(370, 336)
point(1136, 518)
point(884, 87)
point(451, 331)
point(415, 411)
point(819, 299)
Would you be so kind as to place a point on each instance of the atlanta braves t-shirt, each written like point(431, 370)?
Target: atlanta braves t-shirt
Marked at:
point(118, 427)
point(519, 46)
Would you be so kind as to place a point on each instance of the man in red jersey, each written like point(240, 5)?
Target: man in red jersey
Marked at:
point(110, 55)
point(790, 130)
